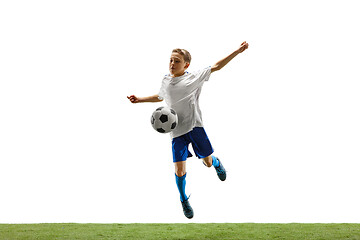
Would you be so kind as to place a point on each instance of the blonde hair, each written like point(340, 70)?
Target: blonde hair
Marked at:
point(186, 55)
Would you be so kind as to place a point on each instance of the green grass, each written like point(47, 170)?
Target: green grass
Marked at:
point(191, 231)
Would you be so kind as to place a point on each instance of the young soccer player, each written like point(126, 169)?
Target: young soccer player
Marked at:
point(181, 91)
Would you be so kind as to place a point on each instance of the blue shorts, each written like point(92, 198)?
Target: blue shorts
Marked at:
point(199, 141)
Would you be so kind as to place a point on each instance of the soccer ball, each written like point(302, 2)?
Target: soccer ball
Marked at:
point(164, 119)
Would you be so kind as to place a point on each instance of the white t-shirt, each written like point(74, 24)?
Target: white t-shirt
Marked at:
point(182, 94)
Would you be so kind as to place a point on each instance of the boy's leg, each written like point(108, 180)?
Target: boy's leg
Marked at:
point(180, 154)
point(203, 149)
point(180, 176)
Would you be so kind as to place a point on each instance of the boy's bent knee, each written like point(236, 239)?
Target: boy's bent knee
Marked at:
point(207, 161)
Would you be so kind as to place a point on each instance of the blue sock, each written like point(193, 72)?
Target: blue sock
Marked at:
point(215, 162)
point(181, 182)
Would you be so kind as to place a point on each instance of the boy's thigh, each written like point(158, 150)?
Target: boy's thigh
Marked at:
point(180, 149)
point(200, 142)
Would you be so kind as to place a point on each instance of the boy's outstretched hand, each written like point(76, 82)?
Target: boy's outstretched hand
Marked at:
point(220, 64)
point(133, 99)
point(243, 47)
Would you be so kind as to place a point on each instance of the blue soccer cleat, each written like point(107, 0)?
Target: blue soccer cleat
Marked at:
point(187, 209)
point(221, 172)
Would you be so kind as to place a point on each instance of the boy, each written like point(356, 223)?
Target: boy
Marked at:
point(181, 91)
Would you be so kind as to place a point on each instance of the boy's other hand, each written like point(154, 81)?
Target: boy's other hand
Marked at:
point(243, 47)
point(133, 99)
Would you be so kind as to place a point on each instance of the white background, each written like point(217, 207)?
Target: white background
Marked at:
point(283, 116)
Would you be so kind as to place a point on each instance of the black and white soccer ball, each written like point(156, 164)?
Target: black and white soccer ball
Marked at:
point(164, 119)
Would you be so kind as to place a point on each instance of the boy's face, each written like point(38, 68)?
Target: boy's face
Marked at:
point(177, 65)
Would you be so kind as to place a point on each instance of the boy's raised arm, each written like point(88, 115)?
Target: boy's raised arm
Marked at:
point(134, 99)
point(220, 64)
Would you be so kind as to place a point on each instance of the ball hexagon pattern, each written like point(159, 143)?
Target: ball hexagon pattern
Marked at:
point(164, 119)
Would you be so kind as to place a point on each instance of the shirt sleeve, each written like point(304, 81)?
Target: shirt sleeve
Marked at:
point(207, 73)
point(203, 75)
point(162, 91)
